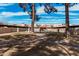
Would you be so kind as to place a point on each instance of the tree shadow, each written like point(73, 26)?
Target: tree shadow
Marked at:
point(52, 41)
point(41, 50)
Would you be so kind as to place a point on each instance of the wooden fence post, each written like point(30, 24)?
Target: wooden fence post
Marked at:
point(17, 29)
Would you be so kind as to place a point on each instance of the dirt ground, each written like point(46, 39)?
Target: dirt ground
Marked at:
point(50, 44)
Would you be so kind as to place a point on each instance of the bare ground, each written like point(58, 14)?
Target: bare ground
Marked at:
point(50, 44)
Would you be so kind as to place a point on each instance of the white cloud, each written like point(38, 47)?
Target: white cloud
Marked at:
point(19, 21)
point(9, 14)
point(60, 8)
point(26, 19)
point(70, 13)
point(73, 13)
point(75, 7)
point(6, 4)
point(62, 13)
point(74, 19)
point(40, 10)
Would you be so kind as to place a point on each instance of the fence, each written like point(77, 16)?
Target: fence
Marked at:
point(13, 28)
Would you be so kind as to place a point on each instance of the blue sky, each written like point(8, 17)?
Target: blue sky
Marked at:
point(11, 13)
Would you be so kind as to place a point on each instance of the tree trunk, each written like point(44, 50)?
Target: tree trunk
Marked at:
point(33, 17)
point(67, 17)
